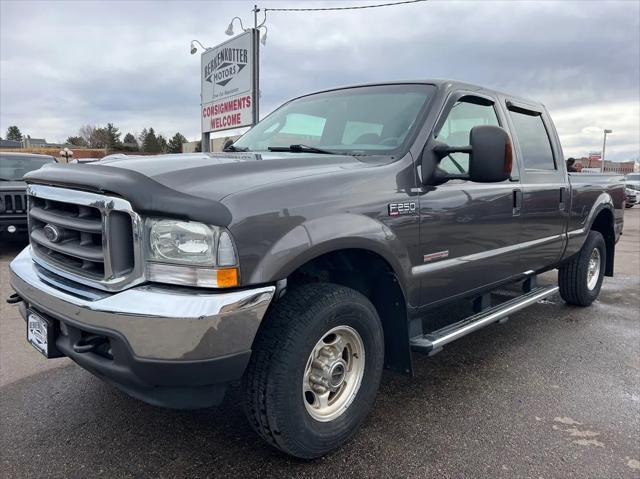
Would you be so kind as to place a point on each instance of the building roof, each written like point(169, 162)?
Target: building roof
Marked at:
point(24, 155)
point(10, 144)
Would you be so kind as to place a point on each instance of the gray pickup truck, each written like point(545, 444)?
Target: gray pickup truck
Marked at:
point(306, 257)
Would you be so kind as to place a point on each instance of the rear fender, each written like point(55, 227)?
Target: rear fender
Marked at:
point(576, 238)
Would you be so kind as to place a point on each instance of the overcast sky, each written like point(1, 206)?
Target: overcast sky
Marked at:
point(64, 64)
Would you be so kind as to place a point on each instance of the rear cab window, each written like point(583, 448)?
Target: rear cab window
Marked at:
point(533, 139)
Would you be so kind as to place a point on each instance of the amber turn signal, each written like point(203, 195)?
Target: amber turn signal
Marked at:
point(227, 277)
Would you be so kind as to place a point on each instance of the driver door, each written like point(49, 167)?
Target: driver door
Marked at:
point(469, 231)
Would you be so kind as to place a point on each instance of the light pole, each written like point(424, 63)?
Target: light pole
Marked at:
point(604, 146)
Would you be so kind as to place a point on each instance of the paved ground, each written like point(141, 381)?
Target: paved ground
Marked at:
point(553, 393)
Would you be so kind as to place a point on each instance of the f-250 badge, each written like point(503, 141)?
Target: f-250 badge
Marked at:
point(397, 209)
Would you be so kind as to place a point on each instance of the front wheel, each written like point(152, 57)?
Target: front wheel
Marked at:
point(315, 369)
point(580, 278)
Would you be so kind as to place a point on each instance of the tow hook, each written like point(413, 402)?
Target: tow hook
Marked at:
point(89, 343)
point(14, 299)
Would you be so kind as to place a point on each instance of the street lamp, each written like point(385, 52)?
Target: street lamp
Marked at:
point(229, 30)
point(194, 48)
point(67, 153)
point(604, 146)
point(263, 40)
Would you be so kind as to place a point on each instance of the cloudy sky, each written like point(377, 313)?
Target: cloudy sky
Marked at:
point(64, 64)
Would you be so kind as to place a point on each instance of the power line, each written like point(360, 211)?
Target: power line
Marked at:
point(354, 7)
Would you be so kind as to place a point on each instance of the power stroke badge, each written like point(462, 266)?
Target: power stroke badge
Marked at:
point(398, 209)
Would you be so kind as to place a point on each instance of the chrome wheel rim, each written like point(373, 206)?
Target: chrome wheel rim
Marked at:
point(593, 269)
point(333, 373)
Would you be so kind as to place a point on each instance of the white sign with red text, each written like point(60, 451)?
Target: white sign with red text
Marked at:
point(228, 83)
point(229, 113)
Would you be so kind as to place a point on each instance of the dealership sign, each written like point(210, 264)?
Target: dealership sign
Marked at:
point(229, 74)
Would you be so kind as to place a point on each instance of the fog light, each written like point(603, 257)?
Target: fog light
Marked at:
point(11, 229)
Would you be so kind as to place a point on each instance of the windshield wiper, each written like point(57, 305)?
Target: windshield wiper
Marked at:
point(235, 148)
point(301, 149)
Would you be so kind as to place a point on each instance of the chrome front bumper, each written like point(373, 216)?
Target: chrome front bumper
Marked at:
point(157, 322)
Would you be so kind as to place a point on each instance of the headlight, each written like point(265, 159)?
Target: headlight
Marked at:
point(190, 253)
point(181, 242)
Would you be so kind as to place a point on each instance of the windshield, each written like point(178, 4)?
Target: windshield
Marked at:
point(364, 120)
point(13, 168)
point(635, 177)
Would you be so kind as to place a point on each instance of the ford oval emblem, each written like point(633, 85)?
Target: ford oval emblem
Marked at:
point(52, 233)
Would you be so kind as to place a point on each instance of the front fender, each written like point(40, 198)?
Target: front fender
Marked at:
point(319, 236)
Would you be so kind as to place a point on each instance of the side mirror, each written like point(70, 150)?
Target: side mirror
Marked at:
point(490, 157)
point(227, 144)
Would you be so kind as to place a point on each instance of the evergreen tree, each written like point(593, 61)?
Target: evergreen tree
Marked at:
point(142, 138)
point(162, 143)
point(112, 137)
point(14, 133)
point(76, 141)
point(175, 144)
point(151, 143)
point(130, 143)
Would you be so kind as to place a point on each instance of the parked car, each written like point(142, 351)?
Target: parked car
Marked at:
point(631, 197)
point(13, 196)
point(632, 181)
point(307, 257)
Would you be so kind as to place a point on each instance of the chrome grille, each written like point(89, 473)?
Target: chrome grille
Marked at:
point(13, 203)
point(85, 236)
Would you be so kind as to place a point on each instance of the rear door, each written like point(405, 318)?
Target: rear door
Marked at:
point(545, 201)
point(469, 231)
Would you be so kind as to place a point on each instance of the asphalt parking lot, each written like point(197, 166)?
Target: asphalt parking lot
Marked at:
point(553, 393)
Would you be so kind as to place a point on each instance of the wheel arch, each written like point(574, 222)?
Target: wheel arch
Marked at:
point(370, 273)
point(603, 221)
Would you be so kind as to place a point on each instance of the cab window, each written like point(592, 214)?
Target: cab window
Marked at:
point(463, 116)
point(534, 140)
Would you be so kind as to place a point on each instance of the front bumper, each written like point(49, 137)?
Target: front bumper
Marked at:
point(169, 346)
point(18, 221)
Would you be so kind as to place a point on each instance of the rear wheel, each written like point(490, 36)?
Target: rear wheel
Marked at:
point(315, 369)
point(580, 279)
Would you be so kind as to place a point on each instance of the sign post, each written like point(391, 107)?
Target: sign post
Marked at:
point(229, 85)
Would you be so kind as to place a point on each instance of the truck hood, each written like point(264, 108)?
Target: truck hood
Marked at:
point(192, 185)
point(216, 175)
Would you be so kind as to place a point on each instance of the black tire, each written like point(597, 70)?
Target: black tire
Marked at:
point(272, 384)
point(572, 275)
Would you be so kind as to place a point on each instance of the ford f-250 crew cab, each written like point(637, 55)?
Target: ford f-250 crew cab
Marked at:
point(306, 257)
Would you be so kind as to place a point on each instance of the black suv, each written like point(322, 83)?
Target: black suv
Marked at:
point(13, 197)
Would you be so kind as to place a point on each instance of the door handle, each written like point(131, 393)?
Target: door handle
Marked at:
point(563, 195)
point(517, 202)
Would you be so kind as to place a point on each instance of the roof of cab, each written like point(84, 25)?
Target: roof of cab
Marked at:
point(442, 84)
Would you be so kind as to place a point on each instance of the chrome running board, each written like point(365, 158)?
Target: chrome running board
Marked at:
point(433, 342)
